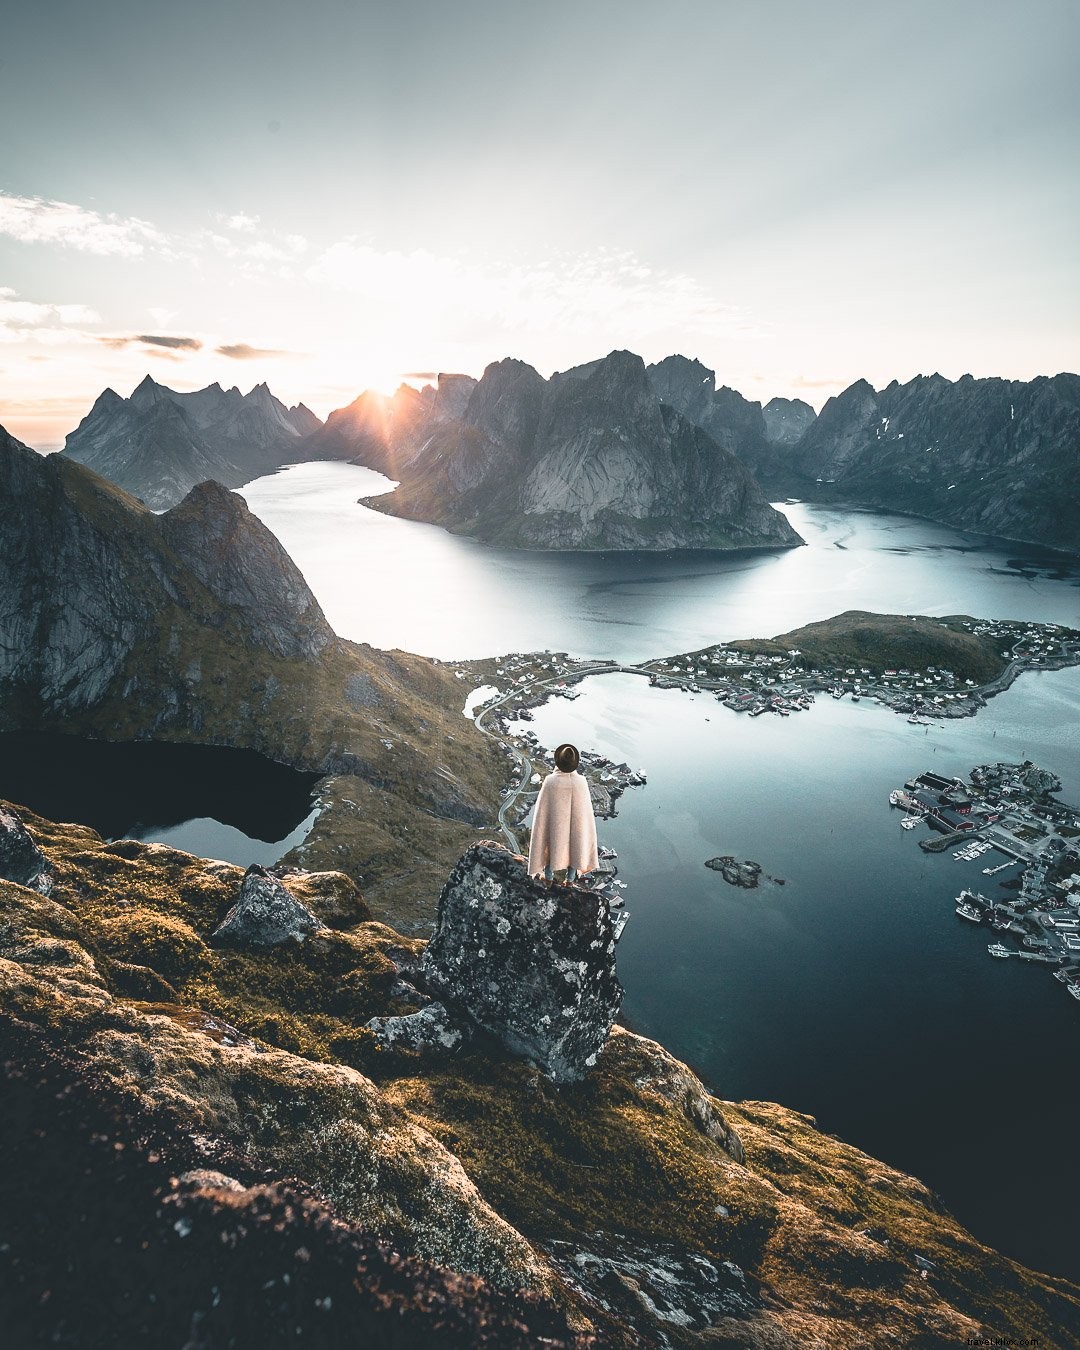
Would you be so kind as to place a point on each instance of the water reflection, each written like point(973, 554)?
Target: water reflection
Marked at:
point(214, 802)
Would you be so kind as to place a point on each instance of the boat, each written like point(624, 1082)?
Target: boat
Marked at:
point(966, 910)
point(909, 822)
point(998, 949)
point(1074, 989)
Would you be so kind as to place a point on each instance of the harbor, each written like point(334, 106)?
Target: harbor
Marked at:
point(1010, 810)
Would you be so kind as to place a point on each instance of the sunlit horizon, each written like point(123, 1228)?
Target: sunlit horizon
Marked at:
point(852, 199)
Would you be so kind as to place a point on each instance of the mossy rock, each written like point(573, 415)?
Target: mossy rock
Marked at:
point(167, 945)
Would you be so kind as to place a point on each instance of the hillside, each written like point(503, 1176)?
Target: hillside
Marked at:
point(236, 1092)
point(195, 626)
point(881, 642)
point(998, 457)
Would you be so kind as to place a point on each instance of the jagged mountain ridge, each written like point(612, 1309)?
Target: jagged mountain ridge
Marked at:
point(159, 443)
point(994, 456)
point(590, 459)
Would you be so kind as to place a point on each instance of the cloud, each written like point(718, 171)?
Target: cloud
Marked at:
point(159, 344)
point(37, 220)
point(161, 316)
point(606, 292)
point(242, 351)
point(180, 344)
point(242, 224)
point(28, 321)
point(420, 375)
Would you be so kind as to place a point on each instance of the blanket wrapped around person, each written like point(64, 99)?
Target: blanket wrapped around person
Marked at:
point(564, 827)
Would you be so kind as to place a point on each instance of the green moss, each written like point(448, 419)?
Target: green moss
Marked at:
point(165, 944)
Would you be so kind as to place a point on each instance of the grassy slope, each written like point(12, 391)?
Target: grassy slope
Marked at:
point(619, 1153)
point(888, 642)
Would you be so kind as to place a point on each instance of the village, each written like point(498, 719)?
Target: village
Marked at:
point(767, 682)
point(1008, 810)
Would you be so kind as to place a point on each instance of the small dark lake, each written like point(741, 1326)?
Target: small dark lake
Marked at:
point(218, 803)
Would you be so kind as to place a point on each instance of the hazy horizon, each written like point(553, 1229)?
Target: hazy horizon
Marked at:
point(327, 201)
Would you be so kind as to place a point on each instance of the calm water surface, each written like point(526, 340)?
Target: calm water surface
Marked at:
point(398, 583)
point(207, 800)
point(853, 991)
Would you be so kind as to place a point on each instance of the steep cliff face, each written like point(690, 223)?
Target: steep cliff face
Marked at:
point(196, 626)
point(994, 456)
point(158, 443)
point(244, 1127)
point(590, 459)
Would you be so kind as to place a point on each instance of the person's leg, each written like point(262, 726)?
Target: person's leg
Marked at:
point(571, 874)
point(548, 874)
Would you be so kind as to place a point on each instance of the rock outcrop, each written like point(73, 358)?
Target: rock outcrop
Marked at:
point(158, 443)
point(21, 860)
point(994, 456)
point(590, 459)
point(532, 965)
point(265, 914)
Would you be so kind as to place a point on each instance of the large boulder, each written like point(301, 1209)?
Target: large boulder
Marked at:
point(265, 914)
point(531, 965)
point(21, 860)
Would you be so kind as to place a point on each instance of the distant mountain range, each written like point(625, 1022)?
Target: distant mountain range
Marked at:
point(614, 454)
point(158, 444)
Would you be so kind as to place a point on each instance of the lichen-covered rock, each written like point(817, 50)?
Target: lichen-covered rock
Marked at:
point(265, 914)
point(532, 965)
point(21, 860)
point(430, 1031)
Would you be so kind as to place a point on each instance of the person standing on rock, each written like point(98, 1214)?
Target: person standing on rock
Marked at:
point(564, 827)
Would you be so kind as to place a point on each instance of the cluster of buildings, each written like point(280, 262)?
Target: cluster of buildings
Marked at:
point(784, 682)
point(1010, 809)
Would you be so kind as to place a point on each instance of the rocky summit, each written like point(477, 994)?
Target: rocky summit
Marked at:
point(21, 860)
point(533, 965)
point(591, 459)
point(159, 443)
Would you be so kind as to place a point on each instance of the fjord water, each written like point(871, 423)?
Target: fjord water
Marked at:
point(400, 583)
point(852, 991)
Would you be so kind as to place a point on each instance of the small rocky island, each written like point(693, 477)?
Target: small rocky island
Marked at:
point(735, 873)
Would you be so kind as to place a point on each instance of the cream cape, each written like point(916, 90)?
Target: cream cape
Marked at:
point(564, 828)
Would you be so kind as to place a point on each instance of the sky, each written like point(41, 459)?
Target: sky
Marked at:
point(339, 195)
